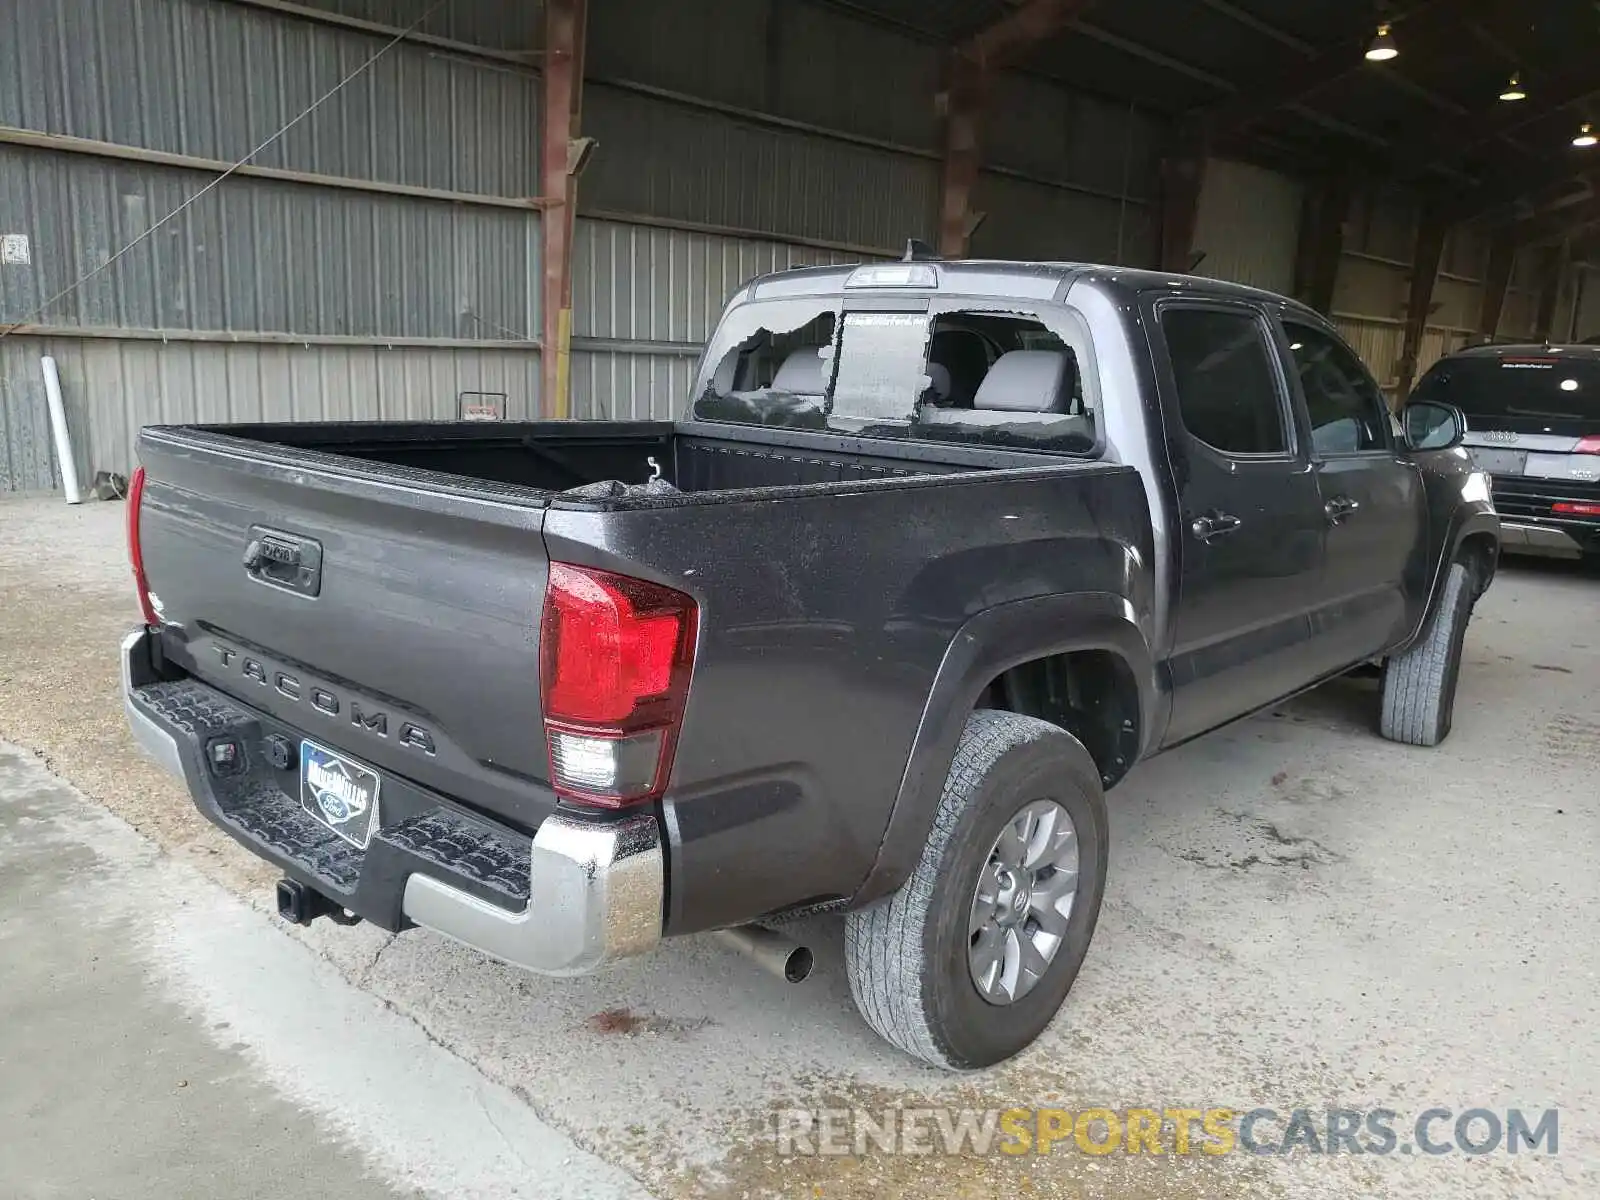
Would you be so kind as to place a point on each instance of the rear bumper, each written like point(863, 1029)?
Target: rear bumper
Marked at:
point(576, 895)
point(1531, 525)
point(1550, 540)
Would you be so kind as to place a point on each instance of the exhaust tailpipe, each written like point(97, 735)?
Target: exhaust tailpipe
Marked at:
point(788, 960)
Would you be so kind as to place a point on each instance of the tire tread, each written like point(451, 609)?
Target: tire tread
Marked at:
point(1418, 685)
point(884, 944)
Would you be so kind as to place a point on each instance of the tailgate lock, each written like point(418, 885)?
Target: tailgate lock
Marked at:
point(284, 560)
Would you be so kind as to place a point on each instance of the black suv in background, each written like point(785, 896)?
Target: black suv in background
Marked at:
point(1533, 422)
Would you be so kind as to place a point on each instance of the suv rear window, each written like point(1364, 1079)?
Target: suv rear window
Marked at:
point(975, 376)
point(1533, 392)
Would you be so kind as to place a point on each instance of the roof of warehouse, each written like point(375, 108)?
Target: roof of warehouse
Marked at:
point(1284, 82)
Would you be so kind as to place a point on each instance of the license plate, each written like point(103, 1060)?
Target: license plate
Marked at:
point(1500, 462)
point(340, 793)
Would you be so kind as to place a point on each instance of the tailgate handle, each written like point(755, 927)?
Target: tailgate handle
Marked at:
point(284, 560)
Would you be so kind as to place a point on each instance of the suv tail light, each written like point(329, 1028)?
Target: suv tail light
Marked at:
point(615, 655)
point(135, 551)
point(1588, 445)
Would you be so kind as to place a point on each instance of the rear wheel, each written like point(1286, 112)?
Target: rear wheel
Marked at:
point(1419, 686)
point(970, 960)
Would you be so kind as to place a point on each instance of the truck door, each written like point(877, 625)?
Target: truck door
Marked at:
point(1373, 503)
point(1250, 536)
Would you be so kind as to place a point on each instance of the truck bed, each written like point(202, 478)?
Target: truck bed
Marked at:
point(557, 456)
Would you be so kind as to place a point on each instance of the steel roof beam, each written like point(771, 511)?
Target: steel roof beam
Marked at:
point(1007, 41)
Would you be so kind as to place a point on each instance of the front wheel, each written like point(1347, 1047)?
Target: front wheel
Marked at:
point(1419, 686)
point(968, 962)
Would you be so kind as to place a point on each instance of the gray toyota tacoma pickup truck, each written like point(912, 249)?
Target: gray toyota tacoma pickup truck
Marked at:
point(938, 552)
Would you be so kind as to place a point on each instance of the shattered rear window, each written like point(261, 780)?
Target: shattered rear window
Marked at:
point(919, 376)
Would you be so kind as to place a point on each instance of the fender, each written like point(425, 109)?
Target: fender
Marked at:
point(1469, 518)
point(991, 642)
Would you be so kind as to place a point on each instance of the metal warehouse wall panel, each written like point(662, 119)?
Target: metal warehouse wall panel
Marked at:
point(637, 283)
point(497, 24)
point(216, 79)
point(629, 387)
point(842, 73)
point(27, 457)
point(1032, 221)
point(261, 255)
point(1077, 140)
point(1379, 345)
point(112, 387)
point(1383, 224)
point(1455, 304)
point(1587, 320)
point(1248, 225)
point(645, 298)
point(1371, 289)
point(669, 160)
point(799, 61)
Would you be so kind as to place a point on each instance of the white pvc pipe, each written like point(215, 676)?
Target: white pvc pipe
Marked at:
point(58, 426)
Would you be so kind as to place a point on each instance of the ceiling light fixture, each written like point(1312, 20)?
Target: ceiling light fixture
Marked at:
point(1586, 136)
point(1513, 89)
point(1382, 47)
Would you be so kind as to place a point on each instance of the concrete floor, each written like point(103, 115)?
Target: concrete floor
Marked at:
point(159, 1039)
point(1299, 915)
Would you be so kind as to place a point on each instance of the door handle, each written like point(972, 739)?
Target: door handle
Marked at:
point(1214, 525)
point(1339, 508)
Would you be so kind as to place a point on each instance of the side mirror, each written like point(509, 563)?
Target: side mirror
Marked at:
point(1429, 425)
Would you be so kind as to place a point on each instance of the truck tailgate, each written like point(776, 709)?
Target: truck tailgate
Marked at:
point(391, 614)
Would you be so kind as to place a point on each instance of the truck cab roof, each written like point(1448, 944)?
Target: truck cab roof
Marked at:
point(1002, 279)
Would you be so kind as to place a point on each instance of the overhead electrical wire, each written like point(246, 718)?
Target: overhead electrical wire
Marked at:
point(220, 179)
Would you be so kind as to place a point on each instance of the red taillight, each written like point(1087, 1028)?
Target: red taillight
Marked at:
point(615, 658)
point(1569, 508)
point(1588, 445)
point(135, 550)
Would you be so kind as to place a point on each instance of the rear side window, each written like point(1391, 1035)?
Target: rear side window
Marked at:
point(1346, 408)
point(1227, 383)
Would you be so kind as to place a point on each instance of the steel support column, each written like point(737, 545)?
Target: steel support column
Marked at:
point(1425, 257)
point(965, 101)
point(973, 65)
point(1496, 281)
point(561, 107)
point(1550, 293)
point(1322, 242)
point(1182, 177)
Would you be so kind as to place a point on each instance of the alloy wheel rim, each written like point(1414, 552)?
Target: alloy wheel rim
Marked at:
point(1023, 902)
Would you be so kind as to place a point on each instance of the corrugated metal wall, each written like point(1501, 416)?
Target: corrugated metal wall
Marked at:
point(769, 134)
point(1248, 225)
point(343, 296)
point(260, 255)
point(1069, 178)
point(1583, 316)
point(644, 301)
point(668, 160)
point(118, 384)
point(27, 459)
point(215, 79)
point(1375, 280)
point(734, 138)
point(1248, 229)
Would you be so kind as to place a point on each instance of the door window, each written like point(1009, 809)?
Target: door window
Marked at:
point(1227, 382)
point(1346, 408)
